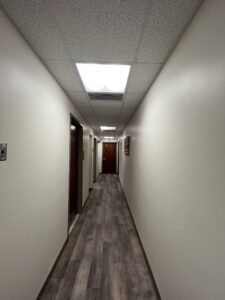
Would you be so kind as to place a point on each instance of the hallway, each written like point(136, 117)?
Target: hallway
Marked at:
point(103, 258)
point(131, 88)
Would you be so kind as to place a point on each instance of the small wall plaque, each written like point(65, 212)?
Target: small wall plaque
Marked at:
point(3, 152)
point(127, 145)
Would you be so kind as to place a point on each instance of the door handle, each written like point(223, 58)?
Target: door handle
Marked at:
point(104, 158)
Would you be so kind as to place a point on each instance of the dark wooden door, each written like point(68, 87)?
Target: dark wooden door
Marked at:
point(73, 190)
point(95, 160)
point(109, 158)
point(75, 169)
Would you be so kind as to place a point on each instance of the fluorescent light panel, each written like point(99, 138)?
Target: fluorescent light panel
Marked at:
point(104, 128)
point(102, 78)
point(109, 137)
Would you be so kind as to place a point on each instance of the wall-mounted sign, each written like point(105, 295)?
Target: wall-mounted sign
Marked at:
point(3, 152)
point(127, 145)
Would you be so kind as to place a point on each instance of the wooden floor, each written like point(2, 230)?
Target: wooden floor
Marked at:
point(103, 259)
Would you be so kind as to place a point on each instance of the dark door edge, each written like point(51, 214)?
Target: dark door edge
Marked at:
point(80, 166)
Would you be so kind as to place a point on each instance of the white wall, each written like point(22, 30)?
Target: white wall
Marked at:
point(34, 122)
point(174, 178)
point(86, 162)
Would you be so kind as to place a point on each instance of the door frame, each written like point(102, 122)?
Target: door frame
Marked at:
point(94, 159)
point(118, 158)
point(116, 154)
point(79, 128)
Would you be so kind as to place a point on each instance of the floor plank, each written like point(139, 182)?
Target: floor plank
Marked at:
point(103, 259)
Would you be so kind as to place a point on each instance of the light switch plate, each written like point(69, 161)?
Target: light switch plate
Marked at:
point(3, 152)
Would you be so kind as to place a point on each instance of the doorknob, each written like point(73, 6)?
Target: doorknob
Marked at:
point(104, 158)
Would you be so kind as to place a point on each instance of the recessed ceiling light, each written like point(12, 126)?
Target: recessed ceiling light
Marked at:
point(100, 78)
point(72, 127)
point(104, 128)
point(108, 137)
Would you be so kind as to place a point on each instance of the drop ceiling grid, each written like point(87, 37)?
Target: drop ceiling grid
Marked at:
point(125, 94)
point(80, 101)
point(139, 32)
point(66, 74)
point(37, 26)
point(159, 36)
point(133, 99)
point(101, 30)
point(105, 111)
point(79, 98)
point(141, 78)
point(88, 100)
point(87, 110)
point(167, 21)
point(100, 120)
point(35, 22)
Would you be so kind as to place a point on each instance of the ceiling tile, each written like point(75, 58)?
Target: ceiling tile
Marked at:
point(106, 111)
point(124, 120)
point(82, 104)
point(142, 76)
point(108, 118)
point(79, 99)
point(106, 104)
point(128, 111)
point(132, 100)
point(102, 30)
point(108, 121)
point(167, 21)
point(90, 118)
point(64, 71)
point(120, 128)
point(37, 26)
point(126, 115)
point(96, 128)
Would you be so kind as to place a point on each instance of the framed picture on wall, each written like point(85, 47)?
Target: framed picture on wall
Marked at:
point(127, 145)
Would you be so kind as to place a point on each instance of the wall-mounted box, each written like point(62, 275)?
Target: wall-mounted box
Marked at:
point(3, 152)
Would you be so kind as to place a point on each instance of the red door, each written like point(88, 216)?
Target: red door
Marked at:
point(109, 158)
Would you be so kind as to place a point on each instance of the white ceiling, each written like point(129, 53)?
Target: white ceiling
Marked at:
point(141, 33)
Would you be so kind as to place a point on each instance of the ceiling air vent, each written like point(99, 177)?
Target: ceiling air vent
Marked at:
point(106, 96)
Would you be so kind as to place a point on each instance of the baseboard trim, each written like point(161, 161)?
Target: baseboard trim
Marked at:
point(60, 253)
point(73, 223)
point(85, 203)
point(52, 269)
point(142, 247)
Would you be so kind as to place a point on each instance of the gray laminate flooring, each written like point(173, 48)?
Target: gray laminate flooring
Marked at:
point(103, 258)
